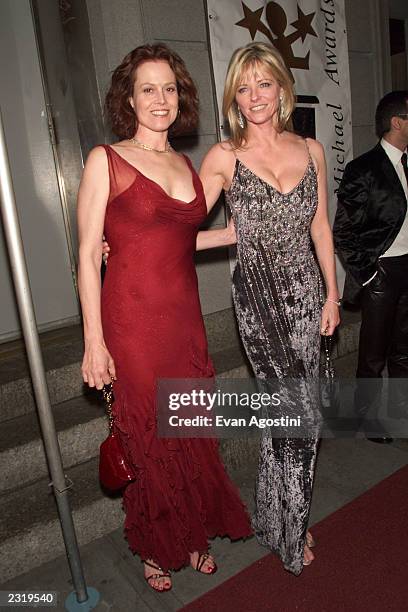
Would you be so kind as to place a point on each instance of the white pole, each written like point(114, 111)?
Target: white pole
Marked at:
point(32, 344)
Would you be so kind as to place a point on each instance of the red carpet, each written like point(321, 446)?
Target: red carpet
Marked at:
point(361, 563)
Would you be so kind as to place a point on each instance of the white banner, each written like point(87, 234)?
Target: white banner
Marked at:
point(311, 36)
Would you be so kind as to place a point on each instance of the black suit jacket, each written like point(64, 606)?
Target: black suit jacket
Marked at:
point(370, 211)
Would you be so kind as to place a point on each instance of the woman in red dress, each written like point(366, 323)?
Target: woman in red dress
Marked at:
point(146, 323)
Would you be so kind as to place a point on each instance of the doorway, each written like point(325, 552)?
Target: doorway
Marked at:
point(398, 49)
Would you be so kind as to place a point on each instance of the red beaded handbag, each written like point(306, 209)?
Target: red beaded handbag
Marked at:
point(114, 470)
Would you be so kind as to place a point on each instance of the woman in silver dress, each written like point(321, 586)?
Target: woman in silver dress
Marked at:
point(275, 186)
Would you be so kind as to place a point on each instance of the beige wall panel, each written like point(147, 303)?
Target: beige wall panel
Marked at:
point(363, 94)
point(214, 280)
point(198, 63)
point(364, 138)
point(175, 19)
point(116, 28)
point(360, 21)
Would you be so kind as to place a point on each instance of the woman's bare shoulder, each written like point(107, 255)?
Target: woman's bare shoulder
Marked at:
point(96, 159)
point(316, 151)
point(222, 148)
point(220, 153)
point(296, 142)
point(315, 147)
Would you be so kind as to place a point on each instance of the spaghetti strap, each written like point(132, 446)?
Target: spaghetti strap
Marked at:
point(311, 160)
point(188, 161)
point(307, 147)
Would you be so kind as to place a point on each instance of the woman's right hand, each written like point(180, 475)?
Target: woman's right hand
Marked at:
point(230, 233)
point(98, 367)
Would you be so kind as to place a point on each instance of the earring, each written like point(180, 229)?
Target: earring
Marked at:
point(240, 119)
point(281, 109)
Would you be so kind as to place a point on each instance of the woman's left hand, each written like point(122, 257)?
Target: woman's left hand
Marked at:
point(105, 250)
point(330, 318)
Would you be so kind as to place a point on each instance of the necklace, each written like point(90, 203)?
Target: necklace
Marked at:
point(146, 147)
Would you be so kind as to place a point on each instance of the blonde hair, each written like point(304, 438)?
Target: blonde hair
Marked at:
point(268, 57)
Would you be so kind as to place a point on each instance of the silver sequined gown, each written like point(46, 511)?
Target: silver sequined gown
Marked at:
point(277, 292)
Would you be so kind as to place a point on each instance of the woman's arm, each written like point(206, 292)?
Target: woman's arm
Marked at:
point(97, 365)
point(214, 176)
point(213, 172)
point(210, 239)
point(323, 240)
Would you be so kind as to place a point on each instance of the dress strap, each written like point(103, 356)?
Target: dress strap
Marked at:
point(307, 147)
point(188, 161)
point(193, 171)
point(311, 160)
point(121, 173)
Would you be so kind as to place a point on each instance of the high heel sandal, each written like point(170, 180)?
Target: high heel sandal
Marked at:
point(310, 541)
point(309, 561)
point(157, 577)
point(200, 562)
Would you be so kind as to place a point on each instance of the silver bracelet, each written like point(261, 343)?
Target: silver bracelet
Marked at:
point(338, 303)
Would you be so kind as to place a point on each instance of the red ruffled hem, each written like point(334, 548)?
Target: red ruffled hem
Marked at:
point(182, 494)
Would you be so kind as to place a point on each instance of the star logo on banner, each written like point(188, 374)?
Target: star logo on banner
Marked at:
point(303, 24)
point(277, 21)
point(251, 20)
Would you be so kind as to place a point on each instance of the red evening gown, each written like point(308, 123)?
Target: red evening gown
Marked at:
point(153, 327)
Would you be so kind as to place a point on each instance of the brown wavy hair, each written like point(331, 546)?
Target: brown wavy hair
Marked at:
point(121, 115)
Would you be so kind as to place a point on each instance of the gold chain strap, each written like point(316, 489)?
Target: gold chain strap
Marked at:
point(108, 397)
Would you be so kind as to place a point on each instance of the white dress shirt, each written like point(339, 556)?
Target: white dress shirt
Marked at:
point(400, 244)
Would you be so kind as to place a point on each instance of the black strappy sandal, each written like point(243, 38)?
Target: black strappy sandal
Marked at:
point(200, 562)
point(157, 576)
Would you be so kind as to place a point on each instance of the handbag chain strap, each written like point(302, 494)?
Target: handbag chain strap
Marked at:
point(328, 369)
point(108, 397)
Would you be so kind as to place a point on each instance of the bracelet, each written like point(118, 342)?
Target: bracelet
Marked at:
point(338, 303)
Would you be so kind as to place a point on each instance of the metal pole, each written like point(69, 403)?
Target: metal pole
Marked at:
point(27, 317)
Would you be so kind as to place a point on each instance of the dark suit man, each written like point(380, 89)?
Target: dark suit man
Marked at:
point(371, 237)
